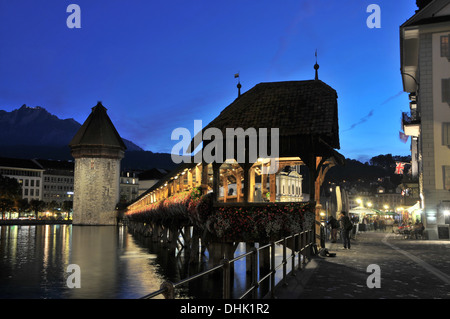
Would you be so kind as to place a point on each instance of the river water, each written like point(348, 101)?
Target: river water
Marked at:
point(113, 264)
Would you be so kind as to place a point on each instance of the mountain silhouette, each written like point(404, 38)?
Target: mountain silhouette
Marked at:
point(33, 132)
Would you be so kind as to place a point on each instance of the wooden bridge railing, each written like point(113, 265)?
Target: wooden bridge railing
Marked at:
point(300, 244)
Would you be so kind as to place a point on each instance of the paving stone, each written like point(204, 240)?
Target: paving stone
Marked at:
point(408, 270)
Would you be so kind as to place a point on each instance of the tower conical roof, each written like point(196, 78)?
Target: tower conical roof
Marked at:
point(98, 130)
point(97, 136)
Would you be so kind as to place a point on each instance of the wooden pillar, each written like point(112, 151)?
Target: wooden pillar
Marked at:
point(174, 234)
point(225, 187)
point(248, 260)
point(238, 186)
point(195, 247)
point(251, 195)
point(216, 180)
point(263, 185)
point(198, 173)
point(273, 183)
point(190, 180)
point(204, 178)
point(246, 168)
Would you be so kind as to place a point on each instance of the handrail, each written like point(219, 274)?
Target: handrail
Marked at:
point(305, 240)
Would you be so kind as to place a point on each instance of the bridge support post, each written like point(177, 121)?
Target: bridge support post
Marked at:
point(248, 260)
point(156, 233)
point(195, 247)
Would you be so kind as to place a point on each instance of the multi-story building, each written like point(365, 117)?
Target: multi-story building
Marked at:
point(57, 180)
point(28, 173)
point(425, 71)
point(289, 185)
point(129, 186)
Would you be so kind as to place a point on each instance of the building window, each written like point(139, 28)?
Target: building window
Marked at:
point(446, 134)
point(445, 49)
point(446, 171)
point(445, 91)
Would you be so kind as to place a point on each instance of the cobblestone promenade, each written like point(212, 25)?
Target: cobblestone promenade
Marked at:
point(408, 269)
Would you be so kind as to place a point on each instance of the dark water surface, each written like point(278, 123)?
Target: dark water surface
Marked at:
point(34, 261)
point(113, 264)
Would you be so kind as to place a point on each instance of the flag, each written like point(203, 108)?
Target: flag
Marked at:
point(403, 137)
point(236, 75)
point(399, 167)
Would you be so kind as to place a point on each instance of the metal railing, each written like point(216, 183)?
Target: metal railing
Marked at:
point(301, 244)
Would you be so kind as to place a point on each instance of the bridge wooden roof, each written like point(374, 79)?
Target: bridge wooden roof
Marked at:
point(305, 112)
point(295, 107)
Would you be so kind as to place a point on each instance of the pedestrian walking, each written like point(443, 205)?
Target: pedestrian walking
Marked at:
point(346, 228)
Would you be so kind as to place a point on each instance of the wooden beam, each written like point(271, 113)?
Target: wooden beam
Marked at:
point(216, 177)
point(246, 168)
point(251, 194)
point(225, 187)
point(204, 178)
point(273, 188)
point(190, 181)
point(238, 186)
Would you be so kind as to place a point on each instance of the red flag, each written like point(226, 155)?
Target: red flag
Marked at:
point(399, 167)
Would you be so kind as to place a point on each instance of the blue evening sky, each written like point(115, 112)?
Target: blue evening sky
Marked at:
point(160, 65)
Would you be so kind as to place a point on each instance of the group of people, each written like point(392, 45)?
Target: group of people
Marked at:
point(345, 225)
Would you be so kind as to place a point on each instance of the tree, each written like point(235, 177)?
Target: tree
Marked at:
point(10, 191)
point(6, 205)
point(22, 205)
point(10, 188)
point(67, 206)
point(385, 161)
point(37, 206)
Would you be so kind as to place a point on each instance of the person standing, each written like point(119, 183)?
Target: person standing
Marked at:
point(334, 225)
point(346, 228)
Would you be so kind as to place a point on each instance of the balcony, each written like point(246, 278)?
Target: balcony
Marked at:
point(411, 123)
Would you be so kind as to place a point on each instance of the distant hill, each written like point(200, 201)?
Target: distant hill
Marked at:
point(33, 132)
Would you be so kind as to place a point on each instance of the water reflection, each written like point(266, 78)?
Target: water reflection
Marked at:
point(34, 262)
point(32, 258)
point(113, 264)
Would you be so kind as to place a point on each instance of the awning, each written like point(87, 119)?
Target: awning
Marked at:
point(379, 212)
point(413, 208)
point(362, 210)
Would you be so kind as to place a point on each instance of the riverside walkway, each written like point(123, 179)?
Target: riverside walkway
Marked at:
point(408, 269)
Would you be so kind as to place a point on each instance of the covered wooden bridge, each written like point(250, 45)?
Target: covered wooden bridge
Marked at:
point(306, 116)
